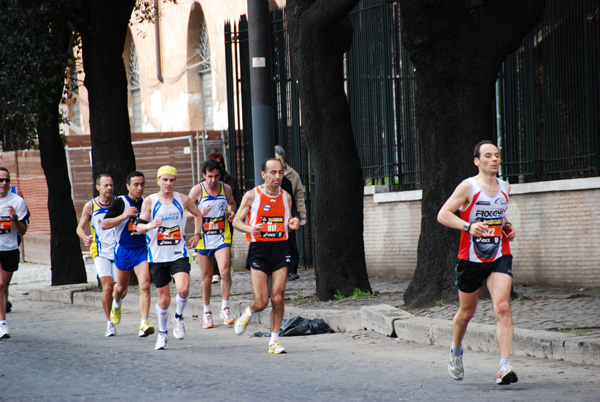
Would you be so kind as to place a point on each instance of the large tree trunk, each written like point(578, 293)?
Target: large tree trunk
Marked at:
point(103, 37)
point(320, 34)
point(65, 252)
point(457, 48)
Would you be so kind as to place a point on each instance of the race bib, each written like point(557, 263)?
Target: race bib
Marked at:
point(168, 236)
point(132, 225)
point(213, 226)
point(273, 227)
point(5, 224)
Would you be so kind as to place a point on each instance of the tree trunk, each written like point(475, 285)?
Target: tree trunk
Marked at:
point(103, 38)
point(65, 252)
point(320, 34)
point(457, 48)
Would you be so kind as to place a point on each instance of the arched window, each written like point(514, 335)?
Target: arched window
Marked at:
point(134, 88)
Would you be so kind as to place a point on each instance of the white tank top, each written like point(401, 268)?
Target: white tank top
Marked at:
point(167, 242)
point(103, 243)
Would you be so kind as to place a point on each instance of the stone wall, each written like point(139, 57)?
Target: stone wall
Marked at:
point(558, 239)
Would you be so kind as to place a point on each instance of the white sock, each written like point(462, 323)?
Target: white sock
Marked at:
point(117, 304)
point(108, 323)
point(207, 308)
point(143, 319)
point(248, 312)
point(224, 304)
point(274, 336)
point(181, 302)
point(162, 316)
point(3, 322)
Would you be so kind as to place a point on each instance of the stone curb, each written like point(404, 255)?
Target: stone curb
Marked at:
point(389, 321)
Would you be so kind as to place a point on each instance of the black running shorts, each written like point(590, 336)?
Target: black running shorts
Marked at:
point(470, 276)
point(162, 272)
point(268, 256)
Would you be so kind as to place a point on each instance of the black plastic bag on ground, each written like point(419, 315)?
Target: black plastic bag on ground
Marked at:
point(297, 326)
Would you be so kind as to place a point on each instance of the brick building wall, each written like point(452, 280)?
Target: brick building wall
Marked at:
point(558, 239)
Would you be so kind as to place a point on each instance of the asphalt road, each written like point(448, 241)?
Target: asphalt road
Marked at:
point(58, 352)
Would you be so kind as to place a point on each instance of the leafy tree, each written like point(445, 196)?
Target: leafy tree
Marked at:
point(320, 33)
point(36, 43)
point(457, 48)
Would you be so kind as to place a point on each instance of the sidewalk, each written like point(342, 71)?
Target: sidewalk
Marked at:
point(550, 323)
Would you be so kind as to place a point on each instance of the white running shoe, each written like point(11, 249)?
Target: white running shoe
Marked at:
point(161, 341)
point(506, 375)
point(455, 367)
point(207, 321)
point(111, 330)
point(216, 279)
point(242, 322)
point(178, 327)
point(4, 331)
point(226, 316)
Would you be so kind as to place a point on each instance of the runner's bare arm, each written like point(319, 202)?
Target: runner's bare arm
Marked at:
point(144, 226)
point(294, 223)
point(190, 205)
point(231, 207)
point(86, 214)
point(242, 213)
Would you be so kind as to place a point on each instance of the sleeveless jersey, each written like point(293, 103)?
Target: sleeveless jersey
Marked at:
point(215, 230)
point(103, 243)
point(124, 232)
point(273, 213)
point(166, 243)
point(485, 208)
point(8, 231)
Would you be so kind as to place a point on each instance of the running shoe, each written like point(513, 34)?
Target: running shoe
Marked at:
point(226, 316)
point(178, 327)
point(276, 348)
point(207, 321)
point(115, 315)
point(506, 375)
point(455, 367)
point(111, 330)
point(4, 331)
point(216, 279)
point(161, 341)
point(145, 329)
point(242, 322)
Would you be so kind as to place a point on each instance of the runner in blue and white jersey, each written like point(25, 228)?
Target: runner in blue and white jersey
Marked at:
point(130, 250)
point(163, 221)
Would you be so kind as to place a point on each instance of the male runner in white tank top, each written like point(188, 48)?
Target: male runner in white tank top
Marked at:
point(101, 243)
point(163, 221)
point(484, 255)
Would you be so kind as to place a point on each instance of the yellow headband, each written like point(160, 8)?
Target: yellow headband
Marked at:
point(166, 170)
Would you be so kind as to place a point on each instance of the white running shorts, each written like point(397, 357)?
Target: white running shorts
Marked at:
point(105, 267)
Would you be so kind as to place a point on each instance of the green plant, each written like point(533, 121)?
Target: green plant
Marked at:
point(355, 294)
point(299, 300)
point(438, 302)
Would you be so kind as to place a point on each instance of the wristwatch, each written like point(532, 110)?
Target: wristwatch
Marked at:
point(467, 226)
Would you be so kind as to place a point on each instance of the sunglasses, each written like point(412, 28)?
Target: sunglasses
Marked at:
point(4, 180)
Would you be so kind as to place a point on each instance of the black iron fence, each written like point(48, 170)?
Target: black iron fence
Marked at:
point(548, 104)
point(380, 86)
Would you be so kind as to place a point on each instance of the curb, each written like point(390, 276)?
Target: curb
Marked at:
point(389, 321)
